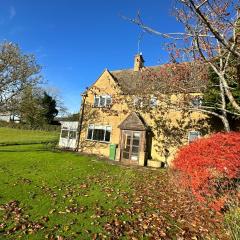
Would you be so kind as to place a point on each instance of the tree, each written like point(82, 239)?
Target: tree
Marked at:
point(30, 108)
point(49, 108)
point(17, 72)
point(211, 38)
point(212, 95)
point(36, 108)
point(56, 95)
point(72, 117)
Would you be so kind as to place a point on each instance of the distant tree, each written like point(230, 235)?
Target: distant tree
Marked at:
point(56, 95)
point(49, 107)
point(30, 108)
point(17, 72)
point(74, 117)
point(36, 108)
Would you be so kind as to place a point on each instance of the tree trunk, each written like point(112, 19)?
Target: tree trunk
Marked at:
point(224, 105)
point(229, 93)
point(225, 124)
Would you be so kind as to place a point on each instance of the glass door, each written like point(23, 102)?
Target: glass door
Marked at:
point(131, 145)
point(135, 146)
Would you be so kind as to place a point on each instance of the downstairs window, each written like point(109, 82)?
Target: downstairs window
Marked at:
point(99, 133)
point(193, 135)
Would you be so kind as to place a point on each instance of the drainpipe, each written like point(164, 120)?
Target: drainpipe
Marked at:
point(80, 121)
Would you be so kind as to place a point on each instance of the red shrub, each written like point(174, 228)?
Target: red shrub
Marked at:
point(210, 167)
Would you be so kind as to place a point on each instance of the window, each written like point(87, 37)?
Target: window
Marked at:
point(64, 134)
point(99, 133)
point(193, 135)
point(69, 134)
point(153, 102)
point(102, 101)
point(196, 101)
point(72, 134)
point(90, 131)
point(96, 101)
point(137, 102)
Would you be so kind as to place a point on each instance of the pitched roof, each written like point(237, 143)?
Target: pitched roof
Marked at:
point(168, 78)
point(133, 122)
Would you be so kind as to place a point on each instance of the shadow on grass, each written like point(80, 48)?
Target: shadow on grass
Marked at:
point(26, 143)
point(25, 150)
point(27, 147)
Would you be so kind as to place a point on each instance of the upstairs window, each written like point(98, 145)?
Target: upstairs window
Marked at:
point(102, 101)
point(193, 135)
point(137, 102)
point(196, 101)
point(153, 102)
point(99, 133)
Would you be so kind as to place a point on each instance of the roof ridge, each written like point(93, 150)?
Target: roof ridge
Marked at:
point(147, 67)
point(120, 70)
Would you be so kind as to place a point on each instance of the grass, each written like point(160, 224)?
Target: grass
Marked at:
point(11, 136)
point(62, 195)
point(232, 220)
point(44, 181)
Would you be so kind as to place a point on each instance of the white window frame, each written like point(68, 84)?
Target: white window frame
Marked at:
point(65, 129)
point(153, 102)
point(99, 127)
point(72, 130)
point(192, 131)
point(68, 131)
point(105, 100)
point(197, 98)
point(138, 102)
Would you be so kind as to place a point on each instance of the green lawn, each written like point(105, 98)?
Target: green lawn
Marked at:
point(48, 194)
point(16, 136)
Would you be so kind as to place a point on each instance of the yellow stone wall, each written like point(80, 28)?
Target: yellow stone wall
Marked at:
point(118, 112)
point(113, 117)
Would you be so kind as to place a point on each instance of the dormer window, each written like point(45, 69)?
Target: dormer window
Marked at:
point(102, 101)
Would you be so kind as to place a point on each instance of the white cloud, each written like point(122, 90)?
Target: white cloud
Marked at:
point(12, 12)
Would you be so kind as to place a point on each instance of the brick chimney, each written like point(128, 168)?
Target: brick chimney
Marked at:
point(138, 62)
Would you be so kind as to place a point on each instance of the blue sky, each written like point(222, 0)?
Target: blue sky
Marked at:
point(75, 40)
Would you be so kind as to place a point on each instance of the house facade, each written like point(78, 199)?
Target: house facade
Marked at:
point(126, 116)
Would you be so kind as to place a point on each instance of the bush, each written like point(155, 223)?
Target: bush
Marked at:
point(210, 167)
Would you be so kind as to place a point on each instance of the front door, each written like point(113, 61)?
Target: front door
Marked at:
point(130, 148)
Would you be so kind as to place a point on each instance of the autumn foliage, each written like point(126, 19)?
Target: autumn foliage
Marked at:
point(210, 167)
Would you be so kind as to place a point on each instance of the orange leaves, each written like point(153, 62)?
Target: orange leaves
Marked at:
point(210, 167)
